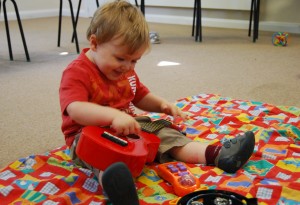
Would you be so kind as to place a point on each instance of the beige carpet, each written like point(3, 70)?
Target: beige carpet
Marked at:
point(225, 63)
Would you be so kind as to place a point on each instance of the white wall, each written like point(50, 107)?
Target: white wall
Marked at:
point(31, 8)
point(276, 15)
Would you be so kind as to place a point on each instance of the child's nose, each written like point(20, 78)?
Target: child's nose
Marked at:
point(127, 66)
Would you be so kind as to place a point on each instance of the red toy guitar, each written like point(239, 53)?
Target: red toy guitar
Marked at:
point(100, 148)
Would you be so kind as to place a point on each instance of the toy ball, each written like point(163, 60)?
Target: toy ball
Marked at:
point(280, 39)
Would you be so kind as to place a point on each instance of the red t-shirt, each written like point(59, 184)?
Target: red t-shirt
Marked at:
point(83, 81)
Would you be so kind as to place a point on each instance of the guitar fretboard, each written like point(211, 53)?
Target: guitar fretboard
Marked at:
point(154, 126)
point(114, 139)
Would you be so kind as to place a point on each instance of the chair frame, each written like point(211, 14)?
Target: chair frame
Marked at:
point(254, 16)
point(75, 20)
point(20, 28)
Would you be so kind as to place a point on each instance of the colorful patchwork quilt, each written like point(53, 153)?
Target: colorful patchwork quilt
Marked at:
point(272, 175)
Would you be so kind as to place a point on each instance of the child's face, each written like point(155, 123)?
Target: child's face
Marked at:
point(113, 58)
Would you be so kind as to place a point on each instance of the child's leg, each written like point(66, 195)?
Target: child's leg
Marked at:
point(193, 152)
point(230, 157)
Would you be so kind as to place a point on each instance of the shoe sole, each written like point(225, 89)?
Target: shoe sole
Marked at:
point(119, 186)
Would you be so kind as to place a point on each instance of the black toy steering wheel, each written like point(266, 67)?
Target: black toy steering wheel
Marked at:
point(215, 197)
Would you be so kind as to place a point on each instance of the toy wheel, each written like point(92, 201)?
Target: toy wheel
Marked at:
point(215, 197)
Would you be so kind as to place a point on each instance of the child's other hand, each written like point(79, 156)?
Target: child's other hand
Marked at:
point(124, 124)
point(171, 109)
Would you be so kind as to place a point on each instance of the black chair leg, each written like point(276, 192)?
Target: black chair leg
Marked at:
point(7, 32)
point(74, 26)
point(198, 36)
point(251, 17)
point(76, 20)
point(59, 23)
point(20, 28)
point(257, 18)
point(143, 6)
point(77, 15)
point(194, 17)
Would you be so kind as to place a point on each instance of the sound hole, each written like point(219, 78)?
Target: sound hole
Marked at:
point(133, 136)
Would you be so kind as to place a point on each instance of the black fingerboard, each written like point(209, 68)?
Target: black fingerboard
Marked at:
point(154, 126)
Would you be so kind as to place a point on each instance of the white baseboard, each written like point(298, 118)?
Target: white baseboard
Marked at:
point(171, 19)
point(224, 23)
point(282, 27)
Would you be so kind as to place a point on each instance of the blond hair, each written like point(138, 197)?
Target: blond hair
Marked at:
point(120, 19)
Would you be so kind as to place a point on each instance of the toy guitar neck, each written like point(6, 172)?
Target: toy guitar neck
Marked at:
point(153, 126)
point(100, 148)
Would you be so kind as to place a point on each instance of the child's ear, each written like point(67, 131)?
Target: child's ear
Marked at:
point(93, 42)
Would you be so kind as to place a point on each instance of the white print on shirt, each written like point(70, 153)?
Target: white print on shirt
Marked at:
point(132, 83)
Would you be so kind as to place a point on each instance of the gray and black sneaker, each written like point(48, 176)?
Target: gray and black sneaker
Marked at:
point(154, 37)
point(236, 152)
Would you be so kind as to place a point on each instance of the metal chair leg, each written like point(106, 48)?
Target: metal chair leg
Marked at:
point(200, 14)
point(7, 32)
point(257, 18)
point(76, 20)
point(198, 36)
point(194, 17)
point(143, 6)
point(251, 17)
point(77, 15)
point(59, 23)
point(20, 28)
point(74, 26)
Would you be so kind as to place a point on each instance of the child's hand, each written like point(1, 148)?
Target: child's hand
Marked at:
point(171, 109)
point(124, 124)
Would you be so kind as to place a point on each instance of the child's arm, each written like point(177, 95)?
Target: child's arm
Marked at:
point(86, 113)
point(153, 103)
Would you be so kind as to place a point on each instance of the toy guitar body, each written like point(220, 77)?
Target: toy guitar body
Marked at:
point(100, 148)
